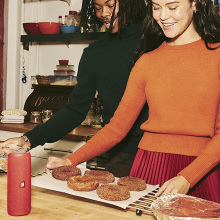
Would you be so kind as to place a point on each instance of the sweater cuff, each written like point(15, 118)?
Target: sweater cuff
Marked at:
point(72, 160)
point(35, 137)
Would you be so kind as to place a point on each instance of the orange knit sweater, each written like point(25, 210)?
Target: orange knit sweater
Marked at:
point(182, 87)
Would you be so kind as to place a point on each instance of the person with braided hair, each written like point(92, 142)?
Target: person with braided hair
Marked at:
point(104, 67)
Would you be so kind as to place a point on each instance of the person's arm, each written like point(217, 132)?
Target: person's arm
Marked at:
point(68, 118)
point(13, 144)
point(127, 112)
point(208, 158)
point(74, 111)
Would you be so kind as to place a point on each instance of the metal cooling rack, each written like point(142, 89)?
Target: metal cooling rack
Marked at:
point(143, 204)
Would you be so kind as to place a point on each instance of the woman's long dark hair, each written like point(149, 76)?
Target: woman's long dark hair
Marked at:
point(206, 21)
point(129, 11)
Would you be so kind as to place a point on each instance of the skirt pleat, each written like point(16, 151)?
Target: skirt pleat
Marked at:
point(156, 168)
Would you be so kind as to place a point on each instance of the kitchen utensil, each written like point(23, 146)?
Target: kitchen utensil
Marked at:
point(31, 28)
point(63, 62)
point(49, 27)
point(67, 29)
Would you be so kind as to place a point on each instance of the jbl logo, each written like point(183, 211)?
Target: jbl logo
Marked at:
point(22, 184)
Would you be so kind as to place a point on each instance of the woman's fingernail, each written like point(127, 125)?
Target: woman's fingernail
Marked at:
point(48, 166)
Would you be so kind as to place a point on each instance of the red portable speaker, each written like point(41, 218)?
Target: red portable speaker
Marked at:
point(19, 184)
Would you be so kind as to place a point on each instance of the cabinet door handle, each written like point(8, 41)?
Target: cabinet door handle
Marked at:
point(58, 150)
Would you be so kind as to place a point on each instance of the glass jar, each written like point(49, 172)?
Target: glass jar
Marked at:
point(46, 115)
point(35, 117)
point(77, 17)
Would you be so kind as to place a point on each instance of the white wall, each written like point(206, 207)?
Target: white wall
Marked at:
point(11, 52)
point(41, 58)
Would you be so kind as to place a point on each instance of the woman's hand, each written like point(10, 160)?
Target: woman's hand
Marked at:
point(54, 162)
point(177, 184)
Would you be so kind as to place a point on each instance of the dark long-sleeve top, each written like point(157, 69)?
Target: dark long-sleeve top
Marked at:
point(104, 67)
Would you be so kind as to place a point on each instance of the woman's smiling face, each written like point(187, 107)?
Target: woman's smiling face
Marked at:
point(104, 10)
point(175, 19)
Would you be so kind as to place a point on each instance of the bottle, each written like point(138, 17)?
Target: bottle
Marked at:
point(46, 115)
point(90, 116)
point(65, 19)
point(77, 18)
point(60, 19)
point(98, 114)
point(19, 184)
point(71, 18)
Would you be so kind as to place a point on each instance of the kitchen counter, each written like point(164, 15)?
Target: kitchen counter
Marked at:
point(80, 133)
point(48, 205)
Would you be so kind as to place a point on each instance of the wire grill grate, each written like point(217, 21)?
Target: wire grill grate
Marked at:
point(143, 204)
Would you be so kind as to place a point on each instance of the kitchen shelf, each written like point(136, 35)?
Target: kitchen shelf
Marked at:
point(90, 36)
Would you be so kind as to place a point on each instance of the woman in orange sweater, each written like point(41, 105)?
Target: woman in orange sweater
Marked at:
point(179, 77)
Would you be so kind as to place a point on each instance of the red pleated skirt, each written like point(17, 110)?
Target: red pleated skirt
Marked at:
point(156, 168)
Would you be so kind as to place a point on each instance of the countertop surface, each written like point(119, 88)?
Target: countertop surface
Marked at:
point(80, 133)
point(48, 205)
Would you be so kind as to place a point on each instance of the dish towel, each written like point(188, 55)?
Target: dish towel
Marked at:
point(13, 116)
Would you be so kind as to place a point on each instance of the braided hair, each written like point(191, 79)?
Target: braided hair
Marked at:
point(129, 11)
point(206, 21)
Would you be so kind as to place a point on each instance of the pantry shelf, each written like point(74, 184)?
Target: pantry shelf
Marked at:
point(90, 36)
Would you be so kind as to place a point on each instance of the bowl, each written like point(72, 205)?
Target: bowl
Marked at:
point(65, 67)
point(67, 29)
point(49, 27)
point(63, 62)
point(31, 28)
